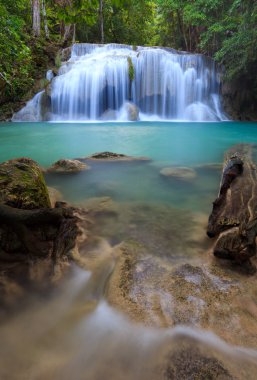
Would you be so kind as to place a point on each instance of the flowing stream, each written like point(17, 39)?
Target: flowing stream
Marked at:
point(144, 298)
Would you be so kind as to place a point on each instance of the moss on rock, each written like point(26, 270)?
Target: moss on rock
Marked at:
point(23, 185)
point(131, 69)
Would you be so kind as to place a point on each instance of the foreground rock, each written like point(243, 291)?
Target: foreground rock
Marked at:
point(233, 219)
point(30, 230)
point(22, 185)
point(68, 166)
point(178, 172)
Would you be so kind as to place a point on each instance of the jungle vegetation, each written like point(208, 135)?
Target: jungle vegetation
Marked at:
point(31, 31)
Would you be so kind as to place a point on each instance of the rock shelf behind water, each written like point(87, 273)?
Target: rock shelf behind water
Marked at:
point(113, 157)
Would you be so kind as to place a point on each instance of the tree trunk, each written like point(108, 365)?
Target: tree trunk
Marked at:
point(45, 19)
point(59, 222)
point(182, 28)
point(67, 29)
point(101, 21)
point(74, 34)
point(36, 17)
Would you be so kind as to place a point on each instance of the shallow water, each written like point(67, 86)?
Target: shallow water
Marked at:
point(148, 226)
point(166, 144)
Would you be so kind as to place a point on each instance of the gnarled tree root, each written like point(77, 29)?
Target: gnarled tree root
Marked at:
point(41, 232)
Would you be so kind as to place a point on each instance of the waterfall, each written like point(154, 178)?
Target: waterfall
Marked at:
point(32, 110)
point(98, 81)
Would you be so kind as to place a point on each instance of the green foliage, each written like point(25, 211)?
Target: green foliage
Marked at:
point(223, 29)
point(58, 60)
point(15, 64)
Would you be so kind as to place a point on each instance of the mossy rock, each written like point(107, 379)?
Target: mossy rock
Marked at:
point(22, 185)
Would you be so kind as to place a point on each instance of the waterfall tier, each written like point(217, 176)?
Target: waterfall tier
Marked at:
point(110, 82)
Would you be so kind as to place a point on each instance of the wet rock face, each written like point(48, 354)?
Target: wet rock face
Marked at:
point(150, 289)
point(233, 216)
point(23, 185)
point(66, 54)
point(191, 364)
point(68, 166)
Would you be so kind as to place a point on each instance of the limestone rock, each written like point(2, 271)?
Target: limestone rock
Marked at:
point(68, 166)
point(45, 103)
point(233, 216)
point(23, 185)
point(191, 363)
point(66, 54)
point(110, 156)
point(209, 167)
point(178, 172)
point(132, 111)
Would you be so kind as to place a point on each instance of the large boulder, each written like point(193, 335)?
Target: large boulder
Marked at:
point(23, 185)
point(35, 239)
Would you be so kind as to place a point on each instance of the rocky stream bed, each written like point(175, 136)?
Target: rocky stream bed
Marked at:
point(171, 301)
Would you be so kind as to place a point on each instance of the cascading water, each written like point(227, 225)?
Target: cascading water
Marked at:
point(106, 82)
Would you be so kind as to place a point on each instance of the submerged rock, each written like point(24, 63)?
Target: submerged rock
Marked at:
point(178, 172)
point(210, 166)
point(23, 185)
point(68, 166)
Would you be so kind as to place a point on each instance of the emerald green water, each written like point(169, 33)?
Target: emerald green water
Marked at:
point(166, 144)
point(176, 143)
